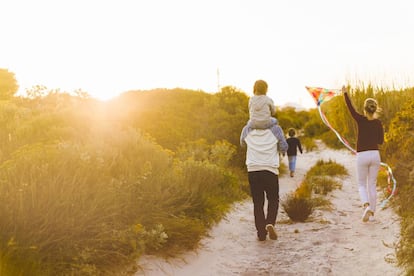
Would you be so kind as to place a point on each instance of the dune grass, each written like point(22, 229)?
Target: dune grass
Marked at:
point(318, 182)
point(93, 208)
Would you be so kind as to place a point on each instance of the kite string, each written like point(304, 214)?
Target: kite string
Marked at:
point(326, 122)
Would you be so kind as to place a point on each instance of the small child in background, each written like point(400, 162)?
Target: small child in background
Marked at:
point(261, 108)
point(294, 145)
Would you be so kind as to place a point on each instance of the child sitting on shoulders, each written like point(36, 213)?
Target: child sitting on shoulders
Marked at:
point(261, 108)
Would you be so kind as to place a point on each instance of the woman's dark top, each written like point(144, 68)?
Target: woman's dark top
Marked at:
point(294, 144)
point(370, 132)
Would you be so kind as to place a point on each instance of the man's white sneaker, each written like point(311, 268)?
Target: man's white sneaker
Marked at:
point(271, 231)
point(367, 214)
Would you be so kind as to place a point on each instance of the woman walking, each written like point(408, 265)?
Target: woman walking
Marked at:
point(370, 136)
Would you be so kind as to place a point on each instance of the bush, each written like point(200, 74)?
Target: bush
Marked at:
point(300, 204)
point(323, 184)
point(68, 207)
point(329, 167)
point(331, 140)
point(297, 208)
point(308, 144)
point(304, 190)
point(405, 249)
point(321, 202)
point(93, 208)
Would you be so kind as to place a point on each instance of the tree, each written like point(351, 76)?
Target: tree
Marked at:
point(37, 91)
point(8, 84)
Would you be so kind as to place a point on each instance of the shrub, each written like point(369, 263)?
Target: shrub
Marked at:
point(331, 140)
point(399, 155)
point(323, 184)
point(304, 190)
point(315, 127)
point(321, 202)
point(68, 207)
point(308, 144)
point(93, 207)
point(405, 249)
point(297, 208)
point(329, 167)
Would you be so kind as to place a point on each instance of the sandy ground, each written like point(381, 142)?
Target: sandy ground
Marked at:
point(332, 242)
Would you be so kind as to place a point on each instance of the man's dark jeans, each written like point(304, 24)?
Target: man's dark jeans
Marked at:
point(261, 183)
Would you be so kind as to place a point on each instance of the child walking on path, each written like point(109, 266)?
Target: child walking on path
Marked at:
point(292, 152)
point(370, 136)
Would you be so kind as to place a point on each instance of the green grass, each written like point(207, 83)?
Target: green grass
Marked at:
point(93, 208)
point(327, 168)
point(322, 177)
point(319, 181)
point(323, 184)
point(308, 144)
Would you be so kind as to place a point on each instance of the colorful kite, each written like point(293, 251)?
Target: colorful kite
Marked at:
point(321, 95)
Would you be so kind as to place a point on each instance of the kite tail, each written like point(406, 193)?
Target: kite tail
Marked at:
point(394, 186)
point(326, 122)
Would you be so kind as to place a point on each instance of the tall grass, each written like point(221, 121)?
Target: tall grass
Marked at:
point(318, 181)
point(66, 206)
point(92, 208)
point(327, 168)
point(400, 156)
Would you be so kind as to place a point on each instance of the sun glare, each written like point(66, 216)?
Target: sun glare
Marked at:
point(103, 96)
point(135, 45)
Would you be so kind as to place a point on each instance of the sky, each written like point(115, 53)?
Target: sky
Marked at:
point(108, 47)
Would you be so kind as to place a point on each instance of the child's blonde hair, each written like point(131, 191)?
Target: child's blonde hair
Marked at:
point(260, 87)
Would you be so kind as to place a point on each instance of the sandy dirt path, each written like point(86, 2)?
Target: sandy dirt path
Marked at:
point(334, 242)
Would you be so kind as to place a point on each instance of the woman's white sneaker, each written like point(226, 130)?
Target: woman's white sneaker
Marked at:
point(367, 214)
